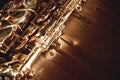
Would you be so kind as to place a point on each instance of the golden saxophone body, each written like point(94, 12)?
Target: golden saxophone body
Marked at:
point(27, 29)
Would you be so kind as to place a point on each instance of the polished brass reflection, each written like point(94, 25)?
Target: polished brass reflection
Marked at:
point(28, 28)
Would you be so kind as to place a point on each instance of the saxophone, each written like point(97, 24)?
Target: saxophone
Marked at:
point(27, 29)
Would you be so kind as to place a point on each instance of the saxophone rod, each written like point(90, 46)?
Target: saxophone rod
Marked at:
point(39, 49)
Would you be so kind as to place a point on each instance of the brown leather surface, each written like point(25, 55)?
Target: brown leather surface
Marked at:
point(89, 46)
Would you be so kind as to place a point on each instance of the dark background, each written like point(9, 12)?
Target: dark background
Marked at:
point(97, 56)
point(3, 2)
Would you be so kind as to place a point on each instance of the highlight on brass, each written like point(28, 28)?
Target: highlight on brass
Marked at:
point(27, 29)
